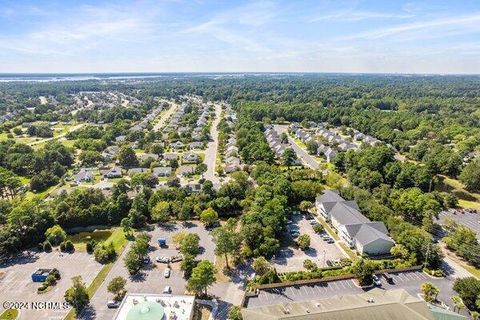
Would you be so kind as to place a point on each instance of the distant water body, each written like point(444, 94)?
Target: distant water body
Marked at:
point(56, 77)
point(50, 77)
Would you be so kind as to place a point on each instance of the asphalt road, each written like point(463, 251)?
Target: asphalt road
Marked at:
point(211, 151)
point(470, 220)
point(307, 159)
point(173, 107)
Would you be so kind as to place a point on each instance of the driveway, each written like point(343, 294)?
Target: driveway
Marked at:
point(211, 151)
point(291, 258)
point(16, 283)
point(307, 159)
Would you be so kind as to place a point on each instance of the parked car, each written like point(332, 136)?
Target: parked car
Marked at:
point(313, 222)
point(167, 289)
point(388, 277)
point(294, 234)
point(176, 258)
point(113, 304)
point(330, 241)
point(329, 263)
point(376, 281)
point(146, 260)
point(166, 273)
point(162, 259)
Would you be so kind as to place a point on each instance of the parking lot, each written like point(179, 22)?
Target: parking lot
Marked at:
point(469, 219)
point(151, 279)
point(291, 258)
point(410, 281)
point(16, 282)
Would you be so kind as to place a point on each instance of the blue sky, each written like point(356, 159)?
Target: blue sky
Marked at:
point(264, 36)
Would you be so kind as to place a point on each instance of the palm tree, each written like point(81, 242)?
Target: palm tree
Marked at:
point(458, 303)
point(430, 292)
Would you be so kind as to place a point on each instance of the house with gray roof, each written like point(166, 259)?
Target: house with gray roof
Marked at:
point(170, 156)
point(356, 230)
point(196, 145)
point(115, 172)
point(162, 171)
point(133, 171)
point(83, 175)
point(190, 157)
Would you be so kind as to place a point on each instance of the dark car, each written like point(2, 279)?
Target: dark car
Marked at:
point(388, 277)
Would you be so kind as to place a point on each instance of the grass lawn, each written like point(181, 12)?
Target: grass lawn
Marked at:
point(24, 180)
point(116, 236)
point(41, 195)
point(80, 239)
point(466, 199)
point(9, 314)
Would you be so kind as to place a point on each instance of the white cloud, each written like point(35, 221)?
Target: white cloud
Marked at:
point(352, 16)
point(461, 23)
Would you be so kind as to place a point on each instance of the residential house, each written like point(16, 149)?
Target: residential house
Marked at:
point(170, 156)
point(354, 228)
point(190, 157)
point(186, 170)
point(196, 145)
point(134, 171)
point(83, 175)
point(103, 185)
point(162, 171)
point(146, 156)
point(177, 145)
point(115, 172)
point(193, 187)
point(120, 139)
point(330, 154)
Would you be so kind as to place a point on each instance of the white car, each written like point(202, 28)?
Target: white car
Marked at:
point(376, 280)
point(162, 259)
point(167, 289)
point(166, 273)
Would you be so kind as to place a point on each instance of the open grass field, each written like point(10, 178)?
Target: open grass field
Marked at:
point(466, 199)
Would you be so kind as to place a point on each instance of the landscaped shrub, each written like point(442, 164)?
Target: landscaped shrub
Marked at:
point(91, 246)
point(55, 273)
point(50, 280)
point(69, 247)
point(47, 246)
point(270, 276)
point(42, 288)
